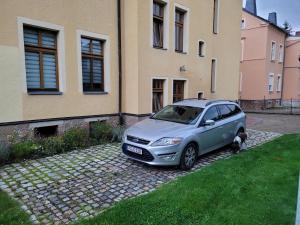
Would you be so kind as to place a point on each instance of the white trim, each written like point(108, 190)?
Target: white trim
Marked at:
point(217, 19)
point(269, 76)
point(45, 124)
point(186, 27)
point(166, 25)
point(241, 82)
point(21, 21)
point(216, 75)
point(203, 49)
point(279, 83)
point(165, 93)
point(281, 53)
point(273, 58)
point(106, 40)
point(186, 86)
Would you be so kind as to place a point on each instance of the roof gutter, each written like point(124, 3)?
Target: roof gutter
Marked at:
point(120, 61)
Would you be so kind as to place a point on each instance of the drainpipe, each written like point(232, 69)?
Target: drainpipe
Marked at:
point(120, 61)
point(283, 69)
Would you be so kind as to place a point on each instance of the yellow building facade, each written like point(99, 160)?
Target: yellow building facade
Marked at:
point(62, 62)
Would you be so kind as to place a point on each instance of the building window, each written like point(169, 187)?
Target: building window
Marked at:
point(273, 51)
point(216, 17)
point(44, 132)
point(178, 90)
point(41, 59)
point(92, 57)
point(158, 95)
point(158, 24)
point(279, 83)
point(241, 82)
point(242, 49)
point(201, 50)
point(271, 82)
point(243, 24)
point(281, 53)
point(200, 95)
point(213, 75)
point(179, 29)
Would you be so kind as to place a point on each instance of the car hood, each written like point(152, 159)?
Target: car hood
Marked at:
point(152, 130)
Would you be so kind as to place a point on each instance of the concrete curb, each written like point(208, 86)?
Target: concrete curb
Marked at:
point(298, 206)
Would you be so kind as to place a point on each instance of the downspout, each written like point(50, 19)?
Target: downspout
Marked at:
point(120, 61)
point(283, 69)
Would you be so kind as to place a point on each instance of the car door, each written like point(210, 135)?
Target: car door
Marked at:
point(227, 124)
point(209, 137)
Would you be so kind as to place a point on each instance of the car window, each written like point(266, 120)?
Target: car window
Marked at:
point(234, 109)
point(211, 114)
point(224, 111)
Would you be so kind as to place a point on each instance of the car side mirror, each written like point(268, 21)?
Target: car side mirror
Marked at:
point(209, 123)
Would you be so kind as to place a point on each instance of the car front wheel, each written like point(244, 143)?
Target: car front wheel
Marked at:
point(188, 157)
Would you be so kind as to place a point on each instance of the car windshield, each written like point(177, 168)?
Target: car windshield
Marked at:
point(179, 114)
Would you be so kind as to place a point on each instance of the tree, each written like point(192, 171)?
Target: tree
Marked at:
point(288, 27)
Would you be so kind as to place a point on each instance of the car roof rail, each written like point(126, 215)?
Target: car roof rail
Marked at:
point(218, 101)
point(186, 99)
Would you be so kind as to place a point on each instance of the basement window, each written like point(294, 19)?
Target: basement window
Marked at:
point(44, 132)
point(201, 50)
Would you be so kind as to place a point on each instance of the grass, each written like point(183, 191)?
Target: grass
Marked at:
point(258, 187)
point(253, 188)
point(10, 212)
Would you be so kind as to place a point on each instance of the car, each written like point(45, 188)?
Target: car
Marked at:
point(180, 133)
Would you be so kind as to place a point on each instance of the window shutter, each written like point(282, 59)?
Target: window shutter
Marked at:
point(32, 61)
point(49, 63)
point(97, 71)
point(31, 37)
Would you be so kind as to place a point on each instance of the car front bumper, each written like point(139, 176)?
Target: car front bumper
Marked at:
point(158, 156)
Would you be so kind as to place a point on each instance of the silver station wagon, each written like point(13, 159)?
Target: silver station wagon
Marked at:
point(181, 132)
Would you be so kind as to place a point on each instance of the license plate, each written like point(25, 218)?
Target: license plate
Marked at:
point(135, 150)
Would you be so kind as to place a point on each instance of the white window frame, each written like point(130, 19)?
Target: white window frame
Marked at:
point(271, 78)
point(281, 53)
point(166, 34)
point(243, 23)
point(166, 91)
point(106, 40)
point(279, 83)
point(186, 26)
point(273, 53)
point(216, 18)
point(203, 48)
point(213, 88)
point(21, 21)
point(186, 86)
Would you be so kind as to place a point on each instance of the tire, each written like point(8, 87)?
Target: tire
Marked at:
point(188, 157)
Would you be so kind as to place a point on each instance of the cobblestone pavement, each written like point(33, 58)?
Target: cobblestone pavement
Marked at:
point(80, 184)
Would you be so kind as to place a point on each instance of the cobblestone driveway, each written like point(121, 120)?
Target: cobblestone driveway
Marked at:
point(63, 188)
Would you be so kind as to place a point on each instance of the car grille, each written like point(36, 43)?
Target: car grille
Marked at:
point(137, 140)
point(146, 156)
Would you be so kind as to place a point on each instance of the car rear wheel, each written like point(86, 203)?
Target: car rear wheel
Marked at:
point(188, 157)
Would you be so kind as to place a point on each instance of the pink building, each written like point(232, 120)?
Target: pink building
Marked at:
point(291, 88)
point(262, 59)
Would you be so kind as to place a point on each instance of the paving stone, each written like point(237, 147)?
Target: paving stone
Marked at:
point(65, 187)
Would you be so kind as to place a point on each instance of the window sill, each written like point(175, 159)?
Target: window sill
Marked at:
point(160, 48)
point(201, 56)
point(184, 53)
point(95, 93)
point(44, 93)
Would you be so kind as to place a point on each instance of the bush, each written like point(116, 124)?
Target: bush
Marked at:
point(118, 133)
point(24, 150)
point(101, 132)
point(52, 145)
point(4, 153)
point(75, 138)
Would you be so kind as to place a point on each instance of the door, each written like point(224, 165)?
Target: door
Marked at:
point(227, 124)
point(210, 137)
point(178, 90)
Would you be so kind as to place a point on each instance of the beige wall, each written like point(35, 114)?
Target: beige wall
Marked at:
point(256, 64)
point(96, 16)
point(225, 47)
point(292, 69)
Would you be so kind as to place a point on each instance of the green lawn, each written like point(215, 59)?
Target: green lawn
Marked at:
point(10, 212)
point(253, 188)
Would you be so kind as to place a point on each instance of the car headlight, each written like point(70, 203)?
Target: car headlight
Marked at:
point(167, 141)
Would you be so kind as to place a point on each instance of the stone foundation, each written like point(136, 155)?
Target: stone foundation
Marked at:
point(259, 104)
point(26, 130)
point(129, 120)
